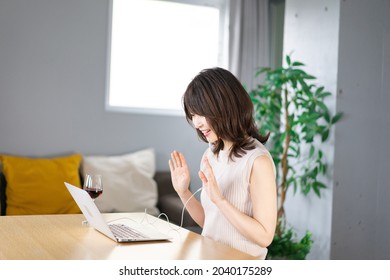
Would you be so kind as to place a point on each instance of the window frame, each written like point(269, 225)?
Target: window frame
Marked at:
point(222, 5)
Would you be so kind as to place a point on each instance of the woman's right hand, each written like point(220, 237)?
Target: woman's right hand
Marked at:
point(180, 172)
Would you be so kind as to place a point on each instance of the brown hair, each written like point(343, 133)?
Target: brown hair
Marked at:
point(218, 95)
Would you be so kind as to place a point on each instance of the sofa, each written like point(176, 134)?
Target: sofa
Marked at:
point(35, 186)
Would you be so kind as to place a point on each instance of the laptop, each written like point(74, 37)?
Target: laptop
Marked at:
point(119, 232)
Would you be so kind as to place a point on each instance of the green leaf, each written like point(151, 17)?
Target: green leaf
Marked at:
point(296, 73)
point(316, 190)
point(306, 189)
point(320, 185)
point(319, 90)
point(322, 95)
point(324, 111)
point(320, 154)
point(337, 117)
point(325, 135)
point(317, 186)
point(297, 63)
point(288, 59)
point(322, 168)
point(309, 77)
point(311, 153)
point(314, 172)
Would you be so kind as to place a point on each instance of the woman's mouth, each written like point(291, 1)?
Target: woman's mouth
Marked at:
point(206, 132)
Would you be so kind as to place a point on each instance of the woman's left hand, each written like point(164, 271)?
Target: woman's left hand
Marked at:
point(210, 183)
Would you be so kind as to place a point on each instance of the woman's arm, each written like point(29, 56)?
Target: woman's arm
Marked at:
point(261, 227)
point(180, 175)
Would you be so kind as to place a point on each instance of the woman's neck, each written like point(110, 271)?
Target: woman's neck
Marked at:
point(227, 145)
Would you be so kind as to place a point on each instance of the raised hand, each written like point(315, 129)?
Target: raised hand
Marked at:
point(180, 173)
point(210, 183)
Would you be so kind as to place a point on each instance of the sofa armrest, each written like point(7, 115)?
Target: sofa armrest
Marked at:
point(2, 194)
point(169, 202)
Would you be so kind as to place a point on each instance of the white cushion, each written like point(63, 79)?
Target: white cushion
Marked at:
point(128, 184)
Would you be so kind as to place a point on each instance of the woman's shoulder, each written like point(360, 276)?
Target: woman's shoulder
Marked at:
point(262, 156)
point(259, 149)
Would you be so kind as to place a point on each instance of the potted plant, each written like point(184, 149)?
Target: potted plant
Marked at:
point(290, 107)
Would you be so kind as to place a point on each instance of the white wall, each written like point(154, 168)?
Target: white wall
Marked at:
point(311, 37)
point(361, 220)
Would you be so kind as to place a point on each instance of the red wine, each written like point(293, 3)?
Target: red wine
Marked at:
point(94, 193)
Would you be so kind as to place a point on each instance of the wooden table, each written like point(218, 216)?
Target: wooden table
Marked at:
point(64, 237)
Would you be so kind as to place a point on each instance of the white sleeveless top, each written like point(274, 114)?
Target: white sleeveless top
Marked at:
point(233, 181)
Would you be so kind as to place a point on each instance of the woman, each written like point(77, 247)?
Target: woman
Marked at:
point(238, 199)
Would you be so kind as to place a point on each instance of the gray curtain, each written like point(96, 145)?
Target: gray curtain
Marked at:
point(249, 39)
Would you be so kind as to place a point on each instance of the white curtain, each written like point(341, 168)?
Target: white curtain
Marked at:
point(248, 39)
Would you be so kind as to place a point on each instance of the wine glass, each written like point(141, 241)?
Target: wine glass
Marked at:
point(93, 185)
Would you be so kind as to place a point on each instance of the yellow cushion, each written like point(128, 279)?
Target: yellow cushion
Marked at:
point(36, 185)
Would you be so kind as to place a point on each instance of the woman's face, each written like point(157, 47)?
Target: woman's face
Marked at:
point(201, 124)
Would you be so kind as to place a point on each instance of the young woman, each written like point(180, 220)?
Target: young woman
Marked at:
point(238, 199)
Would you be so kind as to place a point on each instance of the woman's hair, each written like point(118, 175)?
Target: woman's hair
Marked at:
point(218, 95)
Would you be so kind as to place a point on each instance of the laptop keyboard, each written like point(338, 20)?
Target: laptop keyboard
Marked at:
point(124, 232)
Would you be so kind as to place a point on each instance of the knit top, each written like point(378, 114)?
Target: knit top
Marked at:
point(233, 180)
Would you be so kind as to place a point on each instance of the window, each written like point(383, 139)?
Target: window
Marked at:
point(157, 47)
